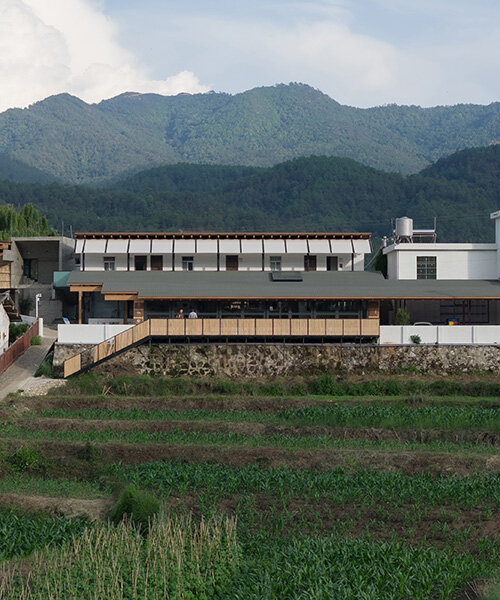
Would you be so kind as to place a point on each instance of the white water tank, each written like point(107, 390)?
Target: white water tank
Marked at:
point(404, 227)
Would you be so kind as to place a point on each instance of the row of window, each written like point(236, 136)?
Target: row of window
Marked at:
point(232, 263)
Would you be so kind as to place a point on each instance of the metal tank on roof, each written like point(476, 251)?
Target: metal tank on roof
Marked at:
point(404, 228)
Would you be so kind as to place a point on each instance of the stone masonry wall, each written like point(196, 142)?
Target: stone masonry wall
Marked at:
point(274, 360)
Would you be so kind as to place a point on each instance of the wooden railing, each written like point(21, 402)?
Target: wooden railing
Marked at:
point(18, 347)
point(246, 328)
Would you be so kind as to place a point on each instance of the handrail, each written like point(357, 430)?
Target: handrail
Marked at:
point(139, 332)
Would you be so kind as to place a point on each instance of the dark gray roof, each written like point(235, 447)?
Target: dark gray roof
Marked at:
point(315, 284)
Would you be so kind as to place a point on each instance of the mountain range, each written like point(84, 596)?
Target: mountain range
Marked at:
point(306, 194)
point(65, 139)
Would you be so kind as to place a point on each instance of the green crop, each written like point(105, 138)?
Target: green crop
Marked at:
point(369, 487)
point(343, 569)
point(20, 534)
point(422, 417)
point(59, 488)
point(225, 439)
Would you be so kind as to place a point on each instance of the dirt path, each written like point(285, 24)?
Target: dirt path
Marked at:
point(69, 507)
point(263, 429)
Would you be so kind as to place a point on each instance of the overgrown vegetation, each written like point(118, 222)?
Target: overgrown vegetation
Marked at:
point(326, 384)
point(177, 559)
point(136, 506)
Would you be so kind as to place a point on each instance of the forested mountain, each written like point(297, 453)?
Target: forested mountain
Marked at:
point(82, 143)
point(306, 194)
point(15, 170)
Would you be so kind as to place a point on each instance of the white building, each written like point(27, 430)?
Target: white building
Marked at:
point(409, 258)
point(222, 252)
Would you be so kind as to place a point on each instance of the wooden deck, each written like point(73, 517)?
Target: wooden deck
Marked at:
point(223, 328)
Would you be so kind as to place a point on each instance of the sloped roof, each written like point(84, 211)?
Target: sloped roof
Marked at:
point(260, 285)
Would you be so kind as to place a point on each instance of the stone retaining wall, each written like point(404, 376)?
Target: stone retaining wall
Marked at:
point(277, 360)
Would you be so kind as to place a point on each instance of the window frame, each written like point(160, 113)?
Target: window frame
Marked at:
point(427, 269)
point(276, 262)
point(187, 263)
point(109, 263)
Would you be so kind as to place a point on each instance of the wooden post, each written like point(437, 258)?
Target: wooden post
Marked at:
point(138, 311)
point(80, 293)
point(125, 311)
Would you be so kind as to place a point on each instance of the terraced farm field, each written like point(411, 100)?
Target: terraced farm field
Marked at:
point(350, 496)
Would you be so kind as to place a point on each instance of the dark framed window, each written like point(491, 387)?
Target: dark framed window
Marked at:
point(140, 263)
point(310, 262)
point(275, 263)
point(156, 262)
point(187, 263)
point(232, 263)
point(426, 267)
point(332, 263)
point(109, 263)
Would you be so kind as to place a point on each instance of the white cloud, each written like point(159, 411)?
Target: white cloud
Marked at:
point(53, 46)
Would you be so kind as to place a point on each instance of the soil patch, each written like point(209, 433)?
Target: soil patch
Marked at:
point(485, 438)
point(96, 509)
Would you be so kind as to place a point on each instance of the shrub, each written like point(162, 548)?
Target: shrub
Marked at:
point(17, 330)
point(25, 458)
point(135, 505)
point(402, 317)
point(36, 340)
point(45, 369)
point(416, 339)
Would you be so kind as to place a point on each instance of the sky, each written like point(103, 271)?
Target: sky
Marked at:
point(359, 52)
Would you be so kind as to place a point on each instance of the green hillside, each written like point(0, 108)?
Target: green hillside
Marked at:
point(306, 194)
point(15, 170)
point(82, 143)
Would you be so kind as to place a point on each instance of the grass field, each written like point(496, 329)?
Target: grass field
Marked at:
point(386, 490)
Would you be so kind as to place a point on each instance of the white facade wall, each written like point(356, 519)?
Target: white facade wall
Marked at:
point(453, 261)
point(4, 329)
point(208, 262)
point(246, 262)
point(95, 262)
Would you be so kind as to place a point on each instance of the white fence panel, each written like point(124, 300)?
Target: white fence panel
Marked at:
point(442, 334)
point(455, 334)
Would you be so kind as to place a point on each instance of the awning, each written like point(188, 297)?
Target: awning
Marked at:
point(341, 246)
point(251, 246)
point(296, 247)
point(362, 246)
point(184, 247)
point(274, 246)
point(162, 246)
point(229, 246)
point(206, 246)
point(117, 247)
point(140, 247)
point(95, 246)
point(319, 246)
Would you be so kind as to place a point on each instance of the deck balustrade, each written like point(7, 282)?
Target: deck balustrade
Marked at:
point(224, 328)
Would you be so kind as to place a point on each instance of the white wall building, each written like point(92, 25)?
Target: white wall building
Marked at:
point(222, 252)
point(409, 260)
